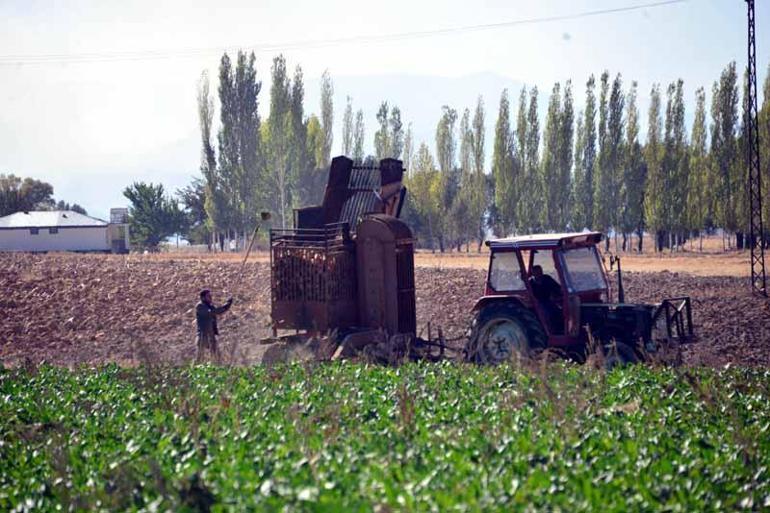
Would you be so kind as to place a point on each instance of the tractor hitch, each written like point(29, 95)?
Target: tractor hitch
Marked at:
point(676, 316)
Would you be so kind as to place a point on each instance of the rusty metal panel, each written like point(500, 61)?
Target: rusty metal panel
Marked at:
point(385, 255)
point(407, 305)
point(355, 190)
point(313, 283)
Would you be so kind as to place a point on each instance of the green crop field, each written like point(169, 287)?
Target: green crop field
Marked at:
point(347, 437)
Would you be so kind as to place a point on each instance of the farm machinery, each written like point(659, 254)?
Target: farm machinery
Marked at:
point(551, 292)
point(342, 284)
point(343, 277)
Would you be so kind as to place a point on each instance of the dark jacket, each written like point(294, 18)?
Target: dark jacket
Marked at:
point(206, 317)
point(546, 289)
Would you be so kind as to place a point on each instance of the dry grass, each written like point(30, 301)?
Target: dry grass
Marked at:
point(712, 261)
point(706, 264)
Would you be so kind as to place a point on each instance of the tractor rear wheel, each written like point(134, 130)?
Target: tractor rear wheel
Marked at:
point(619, 354)
point(504, 332)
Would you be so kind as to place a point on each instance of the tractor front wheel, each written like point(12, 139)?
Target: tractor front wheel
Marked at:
point(619, 354)
point(504, 332)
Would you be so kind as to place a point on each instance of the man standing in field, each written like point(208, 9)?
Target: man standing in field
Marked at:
point(206, 318)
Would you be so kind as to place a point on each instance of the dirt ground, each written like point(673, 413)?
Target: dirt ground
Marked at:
point(71, 309)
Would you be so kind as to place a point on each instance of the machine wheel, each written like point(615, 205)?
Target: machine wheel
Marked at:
point(619, 355)
point(504, 332)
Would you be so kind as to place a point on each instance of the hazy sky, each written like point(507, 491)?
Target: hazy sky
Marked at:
point(113, 99)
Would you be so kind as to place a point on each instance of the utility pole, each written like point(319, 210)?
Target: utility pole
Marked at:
point(756, 230)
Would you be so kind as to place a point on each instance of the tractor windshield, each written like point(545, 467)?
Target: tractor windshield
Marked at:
point(583, 270)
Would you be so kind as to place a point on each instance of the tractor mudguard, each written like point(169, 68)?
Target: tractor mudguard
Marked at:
point(485, 300)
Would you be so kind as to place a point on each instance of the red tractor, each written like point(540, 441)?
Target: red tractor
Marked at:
point(552, 292)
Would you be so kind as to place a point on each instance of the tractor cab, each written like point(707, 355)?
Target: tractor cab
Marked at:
point(550, 274)
point(552, 290)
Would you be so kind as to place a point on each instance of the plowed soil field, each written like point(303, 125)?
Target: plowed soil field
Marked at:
point(72, 309)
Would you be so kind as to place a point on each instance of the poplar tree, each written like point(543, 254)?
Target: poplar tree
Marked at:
point(653, 155)
point(550, 168)
point(227, 142)
point(601, 219)
point(667, 165)
point(477, 137)
point(479, 197)
point(358, 137)
point(740, 170)
point(466, 141)
point(676, 164)
point(205, 121)
point(312, 181)
point(396, 133)
point(301, 162)
point(239, 169)
point(425, 185)
point(446, 145)
point(724, 152)
point(382, 142)
point(278, 136)
point(505, 194)
point(347, 128)
point(520, 184)
point(327, 118)
point(584, 172)
point(565, 154)
point(214, 203)
point(634, 175)
point(408, 152)
point(698, 211)
point(462, 216)
point(532, 193)
point(578, 174)
point(315, 141)
point(764, 148)
point(615, 129)
point(248, 200)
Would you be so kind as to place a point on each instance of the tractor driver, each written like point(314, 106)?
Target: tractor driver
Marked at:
point(547, 291)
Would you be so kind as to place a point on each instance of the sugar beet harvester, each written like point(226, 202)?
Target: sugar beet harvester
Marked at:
point(345, 272)
point(344, 276)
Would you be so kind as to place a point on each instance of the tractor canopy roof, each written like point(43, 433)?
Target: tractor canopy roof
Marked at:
point(547, 241)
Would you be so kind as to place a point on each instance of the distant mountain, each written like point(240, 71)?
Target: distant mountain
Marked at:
point(420, 98)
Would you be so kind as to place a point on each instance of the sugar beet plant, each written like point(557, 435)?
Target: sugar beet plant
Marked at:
point(345, 437)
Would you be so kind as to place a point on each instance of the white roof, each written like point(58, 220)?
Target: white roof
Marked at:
point(46, 219)
point(545, 239)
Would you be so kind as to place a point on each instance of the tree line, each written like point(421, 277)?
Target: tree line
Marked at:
point(591, 169)
point(274, 164)
point(250, 164)
point(28, 194)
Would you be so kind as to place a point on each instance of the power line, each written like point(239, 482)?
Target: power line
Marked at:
point(96, 57)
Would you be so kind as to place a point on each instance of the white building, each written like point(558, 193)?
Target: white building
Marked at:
point(61, 230)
